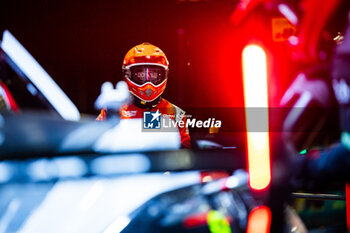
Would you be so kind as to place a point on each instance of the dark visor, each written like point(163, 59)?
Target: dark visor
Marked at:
point(143, 74)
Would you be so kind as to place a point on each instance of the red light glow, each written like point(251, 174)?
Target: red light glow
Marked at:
point(259, 220)
point(256, 96)
point(196, 220)
point(347, 193)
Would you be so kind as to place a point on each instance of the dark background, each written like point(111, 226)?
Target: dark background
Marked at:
point(81, 44)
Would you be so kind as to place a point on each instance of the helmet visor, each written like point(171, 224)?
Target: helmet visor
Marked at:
point(143, 74)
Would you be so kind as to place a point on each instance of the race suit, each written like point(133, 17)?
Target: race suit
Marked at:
point(130, 111)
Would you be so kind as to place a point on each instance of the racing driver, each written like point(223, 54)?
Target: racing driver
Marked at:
point(145, 70)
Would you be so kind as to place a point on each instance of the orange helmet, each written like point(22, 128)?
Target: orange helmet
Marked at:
point(145, 68)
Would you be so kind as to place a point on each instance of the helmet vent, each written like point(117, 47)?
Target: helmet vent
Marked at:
point(148, 92)
point(139, 50)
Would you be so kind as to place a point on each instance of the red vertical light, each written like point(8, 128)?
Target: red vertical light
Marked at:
point(256, 96)
point(347, 195)
point(259, 220)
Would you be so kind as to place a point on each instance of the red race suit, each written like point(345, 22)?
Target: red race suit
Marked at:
point(130, 111)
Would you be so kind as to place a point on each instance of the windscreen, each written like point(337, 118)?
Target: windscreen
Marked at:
point(24, 94)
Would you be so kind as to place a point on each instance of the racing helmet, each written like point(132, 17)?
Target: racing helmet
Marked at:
point(145, 70)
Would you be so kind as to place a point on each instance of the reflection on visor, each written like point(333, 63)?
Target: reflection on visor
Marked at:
point(143, 74)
